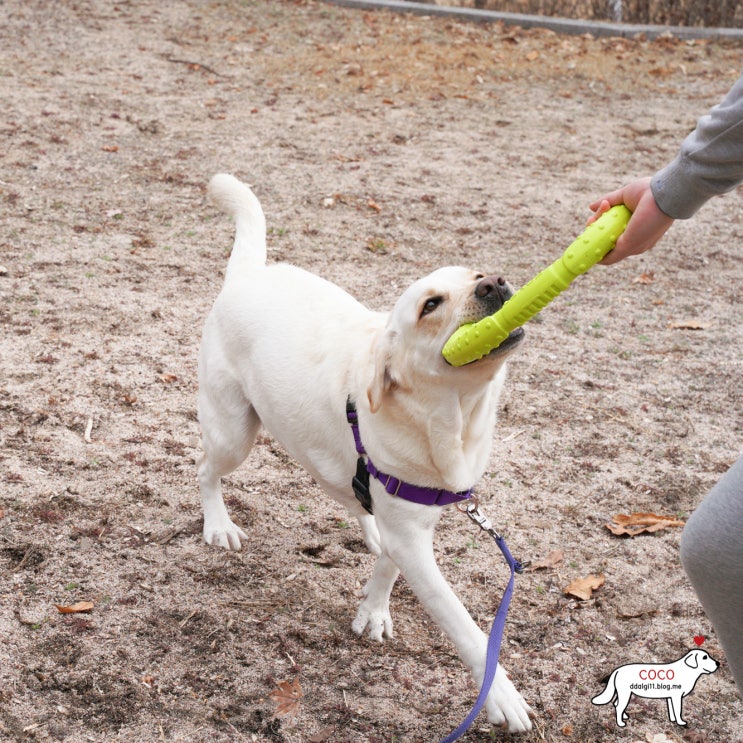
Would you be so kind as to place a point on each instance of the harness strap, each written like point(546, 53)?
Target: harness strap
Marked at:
point(393, 485)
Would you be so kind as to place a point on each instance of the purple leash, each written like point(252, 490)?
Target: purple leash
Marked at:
point(499, 623)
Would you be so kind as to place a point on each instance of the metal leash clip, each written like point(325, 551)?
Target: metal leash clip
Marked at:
point(471, 508)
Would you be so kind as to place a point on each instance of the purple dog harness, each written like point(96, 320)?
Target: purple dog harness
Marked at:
point(394, 486)
point(433, 497)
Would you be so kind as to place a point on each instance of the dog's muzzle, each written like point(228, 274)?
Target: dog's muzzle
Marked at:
point(491, 293)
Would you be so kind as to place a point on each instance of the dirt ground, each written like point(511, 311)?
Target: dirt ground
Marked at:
point(382, 147)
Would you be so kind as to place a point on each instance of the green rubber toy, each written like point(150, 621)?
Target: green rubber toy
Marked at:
point(473, 341)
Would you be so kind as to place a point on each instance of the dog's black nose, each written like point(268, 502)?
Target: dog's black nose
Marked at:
point(490, 285)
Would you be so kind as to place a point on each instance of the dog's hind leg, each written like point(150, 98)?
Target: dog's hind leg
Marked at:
point(229, 426)
point(374, 611)
point(371, 534)
point(623, 697)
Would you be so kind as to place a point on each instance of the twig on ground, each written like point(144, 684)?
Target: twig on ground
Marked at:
point(194, 65)
point(187, 619)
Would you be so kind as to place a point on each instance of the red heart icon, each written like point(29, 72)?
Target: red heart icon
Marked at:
point(699, 639)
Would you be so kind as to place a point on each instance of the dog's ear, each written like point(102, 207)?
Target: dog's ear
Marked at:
point(692, 660)
point(383, 380)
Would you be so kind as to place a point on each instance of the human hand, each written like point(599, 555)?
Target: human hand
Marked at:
point(646, 226)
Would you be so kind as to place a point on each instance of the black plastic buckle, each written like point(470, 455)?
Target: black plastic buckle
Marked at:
point(351, 414)
point(360, 485)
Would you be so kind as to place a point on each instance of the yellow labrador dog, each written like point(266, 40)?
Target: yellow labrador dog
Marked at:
point(286, 350)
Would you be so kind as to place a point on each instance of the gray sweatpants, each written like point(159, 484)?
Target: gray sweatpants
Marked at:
point(712, 555)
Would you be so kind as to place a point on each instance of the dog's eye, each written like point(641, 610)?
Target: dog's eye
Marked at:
point(430, 305)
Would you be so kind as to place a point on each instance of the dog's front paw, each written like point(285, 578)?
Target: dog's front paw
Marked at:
point(224, 534)
point(376, 618)
point(506, 707)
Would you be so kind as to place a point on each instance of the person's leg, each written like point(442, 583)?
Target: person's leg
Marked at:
point(712, 555)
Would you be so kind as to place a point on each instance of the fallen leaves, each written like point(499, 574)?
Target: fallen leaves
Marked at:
point(640, 523)
point(636, 613)
point(322, 735)
point(655, 738)
point(287, 696)
point(583, 588)
point(547, 563)
point(689, 325)
point(79, 608)
point(620, 525)
point(645, 278)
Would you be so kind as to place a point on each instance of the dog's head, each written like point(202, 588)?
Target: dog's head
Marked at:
point(424, 317)
point(701, 661)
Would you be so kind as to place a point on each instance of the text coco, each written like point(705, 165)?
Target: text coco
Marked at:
point(661, 674)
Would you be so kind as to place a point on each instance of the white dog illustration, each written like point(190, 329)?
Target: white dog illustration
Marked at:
point(672, 681)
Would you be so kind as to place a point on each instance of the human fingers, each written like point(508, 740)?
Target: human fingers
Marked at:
point(646, 226)
point(598, 208)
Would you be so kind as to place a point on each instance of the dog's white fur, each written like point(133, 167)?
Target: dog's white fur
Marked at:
point(283, 348)
point(669, 681)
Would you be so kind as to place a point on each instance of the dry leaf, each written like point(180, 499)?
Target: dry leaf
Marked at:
point(168, 378)
point(689, 325)
point(582, 588)
point(694, 736)
point(644, 278)
point(322, 735)
point(640, 523)
point(287, 696)
point(532, 56)
point(79, 607)
point(656, 738)
point(636, 613)
point(551, 561)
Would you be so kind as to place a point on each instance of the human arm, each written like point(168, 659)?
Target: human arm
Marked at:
point(710, 162)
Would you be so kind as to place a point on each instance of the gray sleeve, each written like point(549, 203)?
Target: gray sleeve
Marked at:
point(709, 163)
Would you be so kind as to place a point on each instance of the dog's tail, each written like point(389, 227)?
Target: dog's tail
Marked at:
point(239, 201)
point(608, 693)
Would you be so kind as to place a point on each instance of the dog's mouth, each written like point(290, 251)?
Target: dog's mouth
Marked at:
point(511, 342)
point(514, 339)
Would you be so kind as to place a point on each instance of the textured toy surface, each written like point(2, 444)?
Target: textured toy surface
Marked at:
point(473, 341)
